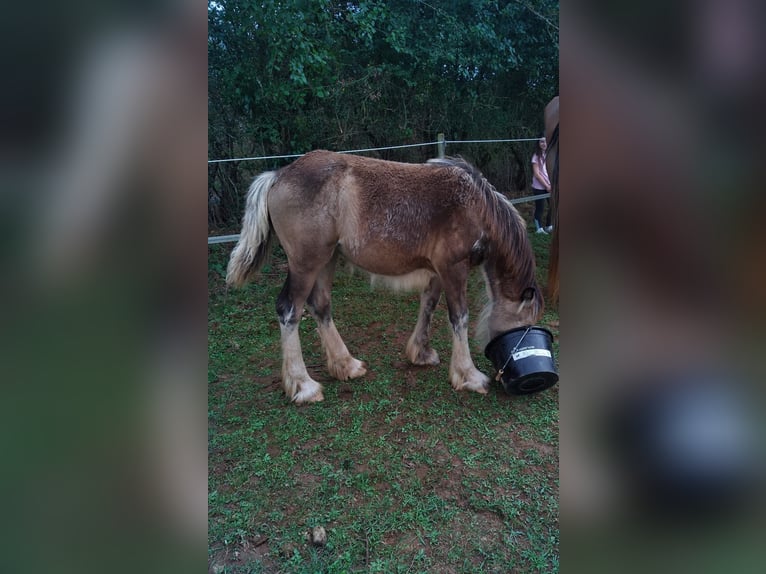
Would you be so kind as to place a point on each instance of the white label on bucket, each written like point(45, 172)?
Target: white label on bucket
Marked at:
point(531, 353)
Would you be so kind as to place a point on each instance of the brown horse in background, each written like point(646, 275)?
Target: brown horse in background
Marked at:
point(552, 165)
point(422, 225)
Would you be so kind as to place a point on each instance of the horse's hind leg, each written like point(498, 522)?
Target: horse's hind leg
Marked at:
point(419, 350)
point(340, 363)
point(299, 386)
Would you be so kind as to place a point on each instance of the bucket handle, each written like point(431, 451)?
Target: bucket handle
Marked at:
point(510, 355)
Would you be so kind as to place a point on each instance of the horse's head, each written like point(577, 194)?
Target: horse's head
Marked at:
point(505, 313)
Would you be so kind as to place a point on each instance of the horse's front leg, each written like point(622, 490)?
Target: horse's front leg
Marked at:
point(463, 374)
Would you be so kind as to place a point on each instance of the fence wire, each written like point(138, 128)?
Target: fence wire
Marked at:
point(437, 142)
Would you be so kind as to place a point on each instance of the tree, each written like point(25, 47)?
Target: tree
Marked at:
point(290, 76)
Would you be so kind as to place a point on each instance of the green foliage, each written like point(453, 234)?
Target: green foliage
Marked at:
point(288, 77)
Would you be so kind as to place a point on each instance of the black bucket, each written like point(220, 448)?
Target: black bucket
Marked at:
point(523, 358)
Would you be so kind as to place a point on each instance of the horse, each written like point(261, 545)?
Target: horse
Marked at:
point(413, 225)
point(551, 117)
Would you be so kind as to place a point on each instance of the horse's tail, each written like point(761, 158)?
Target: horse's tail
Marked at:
point(553, 262)
point(254, 243)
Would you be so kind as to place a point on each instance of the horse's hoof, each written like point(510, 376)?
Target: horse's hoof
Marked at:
point(482, 390)
point(479, 387)
point(310, 392)
point(426, 357)
point(358, 369)
point(349, 369)
point(476, 382)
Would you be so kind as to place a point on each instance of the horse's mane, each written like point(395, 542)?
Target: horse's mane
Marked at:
point(506, 224)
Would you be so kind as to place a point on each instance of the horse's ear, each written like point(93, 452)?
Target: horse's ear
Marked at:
point(528, 294)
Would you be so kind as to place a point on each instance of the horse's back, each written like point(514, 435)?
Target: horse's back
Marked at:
point(380, 196)
point(388, 217)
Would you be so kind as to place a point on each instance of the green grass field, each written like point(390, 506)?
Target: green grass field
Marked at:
point(404, 473)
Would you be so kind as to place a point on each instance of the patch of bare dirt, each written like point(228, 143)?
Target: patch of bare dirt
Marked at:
point(254, 549)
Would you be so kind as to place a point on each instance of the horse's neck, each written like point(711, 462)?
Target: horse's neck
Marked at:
point(512, 270)
point(499, 276)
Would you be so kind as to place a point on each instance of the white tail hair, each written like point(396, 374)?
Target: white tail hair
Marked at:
point(254, 243)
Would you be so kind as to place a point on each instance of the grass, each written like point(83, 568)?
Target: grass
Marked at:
point(405, 474)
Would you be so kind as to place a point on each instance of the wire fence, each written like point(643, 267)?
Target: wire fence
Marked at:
point(440, 143)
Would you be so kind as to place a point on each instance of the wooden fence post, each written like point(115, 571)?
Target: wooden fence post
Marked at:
point(440, 145)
